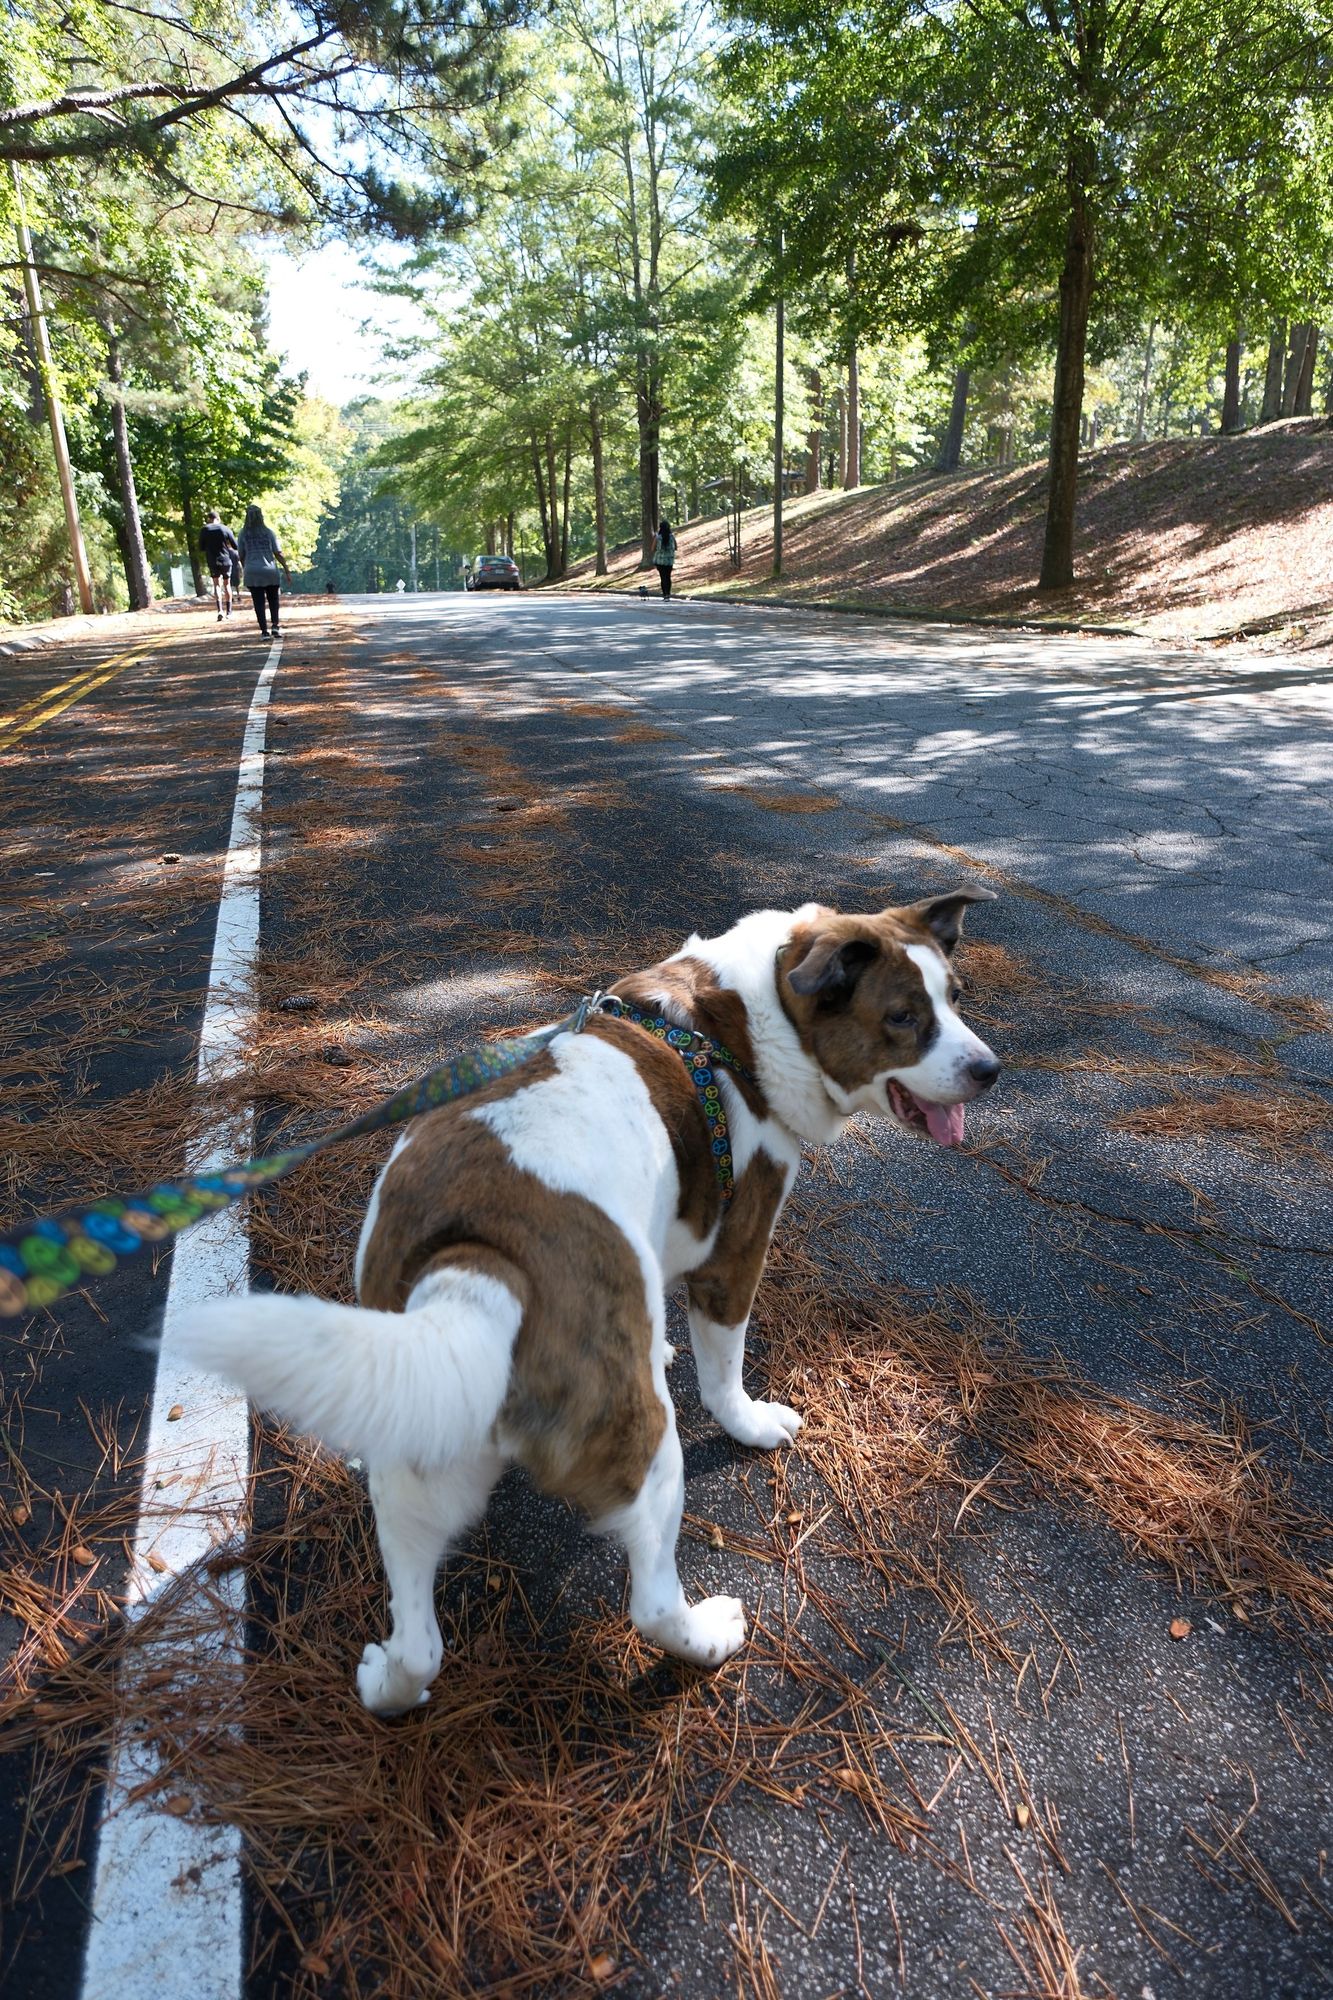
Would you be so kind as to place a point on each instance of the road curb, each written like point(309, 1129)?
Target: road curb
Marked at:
point(112, 625)
point(921, 615)
point(1258, 628)
point(907, 613)
point(26, 644)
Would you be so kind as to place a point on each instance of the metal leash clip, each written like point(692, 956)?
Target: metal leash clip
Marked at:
point(591, 1003)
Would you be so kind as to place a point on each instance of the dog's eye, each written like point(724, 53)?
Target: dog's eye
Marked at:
point(903, 1020)
point(955, 995)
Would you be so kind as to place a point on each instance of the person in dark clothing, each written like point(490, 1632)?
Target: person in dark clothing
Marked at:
point(219, 548)
point(664, 556)
point(261, 559)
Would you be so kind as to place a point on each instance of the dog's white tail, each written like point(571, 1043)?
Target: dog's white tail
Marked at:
point(423, 1385)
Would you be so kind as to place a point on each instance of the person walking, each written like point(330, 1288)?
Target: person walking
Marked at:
point(664, 556)
point(261, 559)
point(219, 549)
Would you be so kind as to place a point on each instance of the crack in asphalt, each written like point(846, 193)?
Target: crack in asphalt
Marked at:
point(1176, 1231)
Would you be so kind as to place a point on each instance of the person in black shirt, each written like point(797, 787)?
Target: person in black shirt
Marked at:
point(219, 546)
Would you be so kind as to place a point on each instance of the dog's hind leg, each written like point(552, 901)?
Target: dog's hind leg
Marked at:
point(649, 1526)
point(417, 1515)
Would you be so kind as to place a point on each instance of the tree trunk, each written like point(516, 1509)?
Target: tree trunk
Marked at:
point(842, 437)
point(951, 451)
point(1277, 347)
point(553, 511)
point(1295, 368)
point(1231, 389)
point(852, 478)
point(1057, 556)
point(564, 507)
point(598, 486)
point(1141, 413)
point(1291, 366)
point(648, 407)
point(187, 508)
point(814, 437)
point(853, 472)
point(779, 363)
point(129, 528)
point(540, 477)
point(41, 345)
point(1304, 405)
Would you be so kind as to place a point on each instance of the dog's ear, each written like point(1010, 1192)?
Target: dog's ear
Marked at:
point(943, 915)
point(832, 966)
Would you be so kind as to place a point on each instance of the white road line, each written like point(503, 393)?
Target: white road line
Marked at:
point(166, 1909)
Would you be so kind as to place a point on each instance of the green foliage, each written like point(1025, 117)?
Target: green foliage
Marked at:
point(34, 560)
point(905, 402)
point(592, 308)
point(958, 172)
point(309, 486)
point(364, 541)
point(148, 142)
point(371, 113)
point(211, 419)
point(600, 249)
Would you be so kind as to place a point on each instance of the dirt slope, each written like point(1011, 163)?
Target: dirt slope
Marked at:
point(1190, 538)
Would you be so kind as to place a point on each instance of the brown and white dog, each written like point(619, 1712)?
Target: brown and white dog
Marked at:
point(516, 1253)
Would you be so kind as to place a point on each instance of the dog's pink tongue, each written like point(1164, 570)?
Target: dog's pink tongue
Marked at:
point(944, 1122)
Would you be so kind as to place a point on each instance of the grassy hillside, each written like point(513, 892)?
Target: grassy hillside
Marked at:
point(1189, 538)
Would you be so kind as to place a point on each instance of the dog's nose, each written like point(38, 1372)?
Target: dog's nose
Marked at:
point(984, 1071)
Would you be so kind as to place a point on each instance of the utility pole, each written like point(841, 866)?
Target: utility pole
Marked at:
point(778, 386)
point(51, 391)
point(412, 561)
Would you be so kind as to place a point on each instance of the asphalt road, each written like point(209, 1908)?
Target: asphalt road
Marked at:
point(473, 805)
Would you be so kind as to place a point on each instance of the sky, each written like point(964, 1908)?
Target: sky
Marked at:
point(329, 324)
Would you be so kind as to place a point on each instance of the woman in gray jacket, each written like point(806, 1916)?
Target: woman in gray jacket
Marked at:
point(261, 559)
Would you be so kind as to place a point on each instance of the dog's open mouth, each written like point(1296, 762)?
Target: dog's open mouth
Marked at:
point(941, 1122)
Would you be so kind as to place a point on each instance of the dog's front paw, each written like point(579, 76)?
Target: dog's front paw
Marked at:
point(764, 1425)
point(710, 1632)
point(384, 1686)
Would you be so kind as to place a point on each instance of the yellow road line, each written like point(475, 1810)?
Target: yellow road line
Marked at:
point(36, 701)
point(54, 701)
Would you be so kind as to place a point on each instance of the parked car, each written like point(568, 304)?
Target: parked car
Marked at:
point(493, 573)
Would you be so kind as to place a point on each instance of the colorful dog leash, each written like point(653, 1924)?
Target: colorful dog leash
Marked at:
point(51, 1255)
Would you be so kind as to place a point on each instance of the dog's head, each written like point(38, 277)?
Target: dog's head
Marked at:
point(874, 1001)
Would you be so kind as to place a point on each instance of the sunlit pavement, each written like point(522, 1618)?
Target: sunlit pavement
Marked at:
point(1156, 828)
